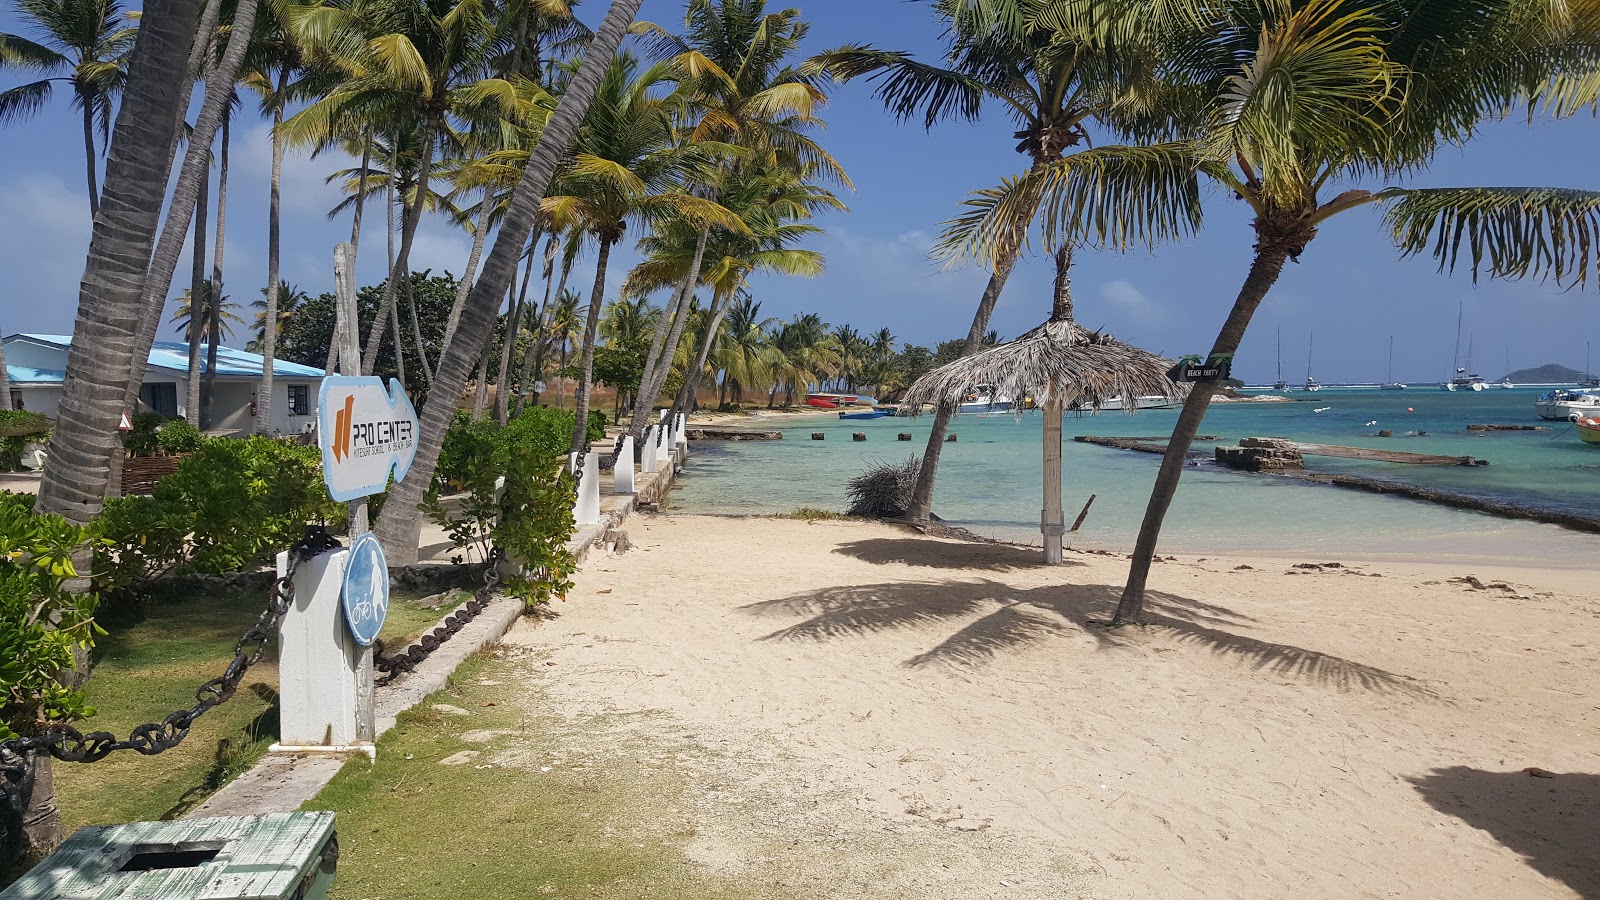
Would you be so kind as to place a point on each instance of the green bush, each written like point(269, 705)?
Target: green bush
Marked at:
point(18, 429)
point(142, 440)
point(178, 436)
point(41, 624)
point(597, 425)
point(230, 506)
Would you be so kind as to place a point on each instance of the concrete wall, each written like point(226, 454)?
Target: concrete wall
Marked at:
point(40, 399)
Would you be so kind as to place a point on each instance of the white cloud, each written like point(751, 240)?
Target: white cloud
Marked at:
point(1129, 304)
point(44, 234)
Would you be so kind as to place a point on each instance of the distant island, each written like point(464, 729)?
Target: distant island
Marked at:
point(1546, 374)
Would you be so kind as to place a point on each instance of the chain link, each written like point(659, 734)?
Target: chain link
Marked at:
point(68, 744)
point(408, 659)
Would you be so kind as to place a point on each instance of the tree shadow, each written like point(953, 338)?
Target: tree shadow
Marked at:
point(945, 555)
point(1008, 617)
point(1552, 823)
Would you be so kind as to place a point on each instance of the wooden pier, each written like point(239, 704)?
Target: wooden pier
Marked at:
point(730, 434)
point(1393, 456)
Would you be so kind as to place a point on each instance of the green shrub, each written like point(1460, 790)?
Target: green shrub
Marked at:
point(178, 436)
point(142, 440)
point(597, 425)
point(18, 429)
point(146, 539)
point(41, 624)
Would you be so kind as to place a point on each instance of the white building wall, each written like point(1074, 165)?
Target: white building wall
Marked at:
point(44, 398)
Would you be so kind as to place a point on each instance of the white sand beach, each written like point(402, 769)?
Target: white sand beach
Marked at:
point(895, 715)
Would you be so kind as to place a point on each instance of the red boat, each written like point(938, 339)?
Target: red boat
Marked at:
point(820, 403)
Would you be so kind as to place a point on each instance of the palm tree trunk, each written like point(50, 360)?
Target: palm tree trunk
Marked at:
point(416, 332)
point(400, 525)
point(531, 359)
point(539, 349)
point(208, 383)
point(355, 243)
point(199, 291)
point(411, 214)
point(922, 495)
point(1264, 272)
point(222, 200)
point(691, 378)
point(399, 345)
point(269, 339)
point(508, 347)
point(162, 263)
point(480, 230)
point(88, 154)
point(5, 382)
point(85, 435)
point(665, 344)
point(580, 399)
point(480, 393)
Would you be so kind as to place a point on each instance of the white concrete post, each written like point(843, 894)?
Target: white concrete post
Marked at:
point(622, 472)
point(680, 435)
point(586, 508)
point(324, 676)
point(647, 460)
point(663, 446)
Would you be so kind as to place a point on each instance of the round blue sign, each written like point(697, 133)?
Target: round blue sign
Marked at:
point(365, 594)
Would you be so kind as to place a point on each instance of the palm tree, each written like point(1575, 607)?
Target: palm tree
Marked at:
point(84, 43)
point(401, 525)
point(74, 484)
point(882, 345)
point(1299, 97)
point(183, 316)
point(1096, 63)
point(405, 66)
point(625, 168)
point(744, 358)
point(290, 299)
point(566, 325)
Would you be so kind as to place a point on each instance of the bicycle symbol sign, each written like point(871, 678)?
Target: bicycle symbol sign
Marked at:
point(365, 594)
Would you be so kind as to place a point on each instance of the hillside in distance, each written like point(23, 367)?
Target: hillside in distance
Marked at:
point(1551, 373)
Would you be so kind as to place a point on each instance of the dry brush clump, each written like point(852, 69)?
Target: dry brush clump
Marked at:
point(884, 490)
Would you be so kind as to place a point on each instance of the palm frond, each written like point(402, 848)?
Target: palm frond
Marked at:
point(1506, 232)
point(907, 87)
point(24, 100)
point(17, 52)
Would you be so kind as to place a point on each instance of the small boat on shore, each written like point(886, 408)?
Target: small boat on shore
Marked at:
point(982, 399)
point(1566, 406)
point(864, 414)
point(1588, 430)
point(1118, 404)
point(821, 403)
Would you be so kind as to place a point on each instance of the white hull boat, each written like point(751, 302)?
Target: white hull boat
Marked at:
point(1567, 406)
point(1119, 404)
point(982, 399)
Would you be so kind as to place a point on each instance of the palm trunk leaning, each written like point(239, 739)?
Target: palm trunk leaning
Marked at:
point(199, 301)
point(664, 345)
point(88, 156)
point(85, 435)
point(480, 391)
point(581, 397)
point(269, 338)
point(1264, 272)
point(163, 261)
point(922, 495)
point(531, 359)
point(480, 230)
point(691, 379)
point(416, 331)
point(400, 525)
point(508, 354)
point(411, 214)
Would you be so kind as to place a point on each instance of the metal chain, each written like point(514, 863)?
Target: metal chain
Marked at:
point(408, 659)
point(68, 744)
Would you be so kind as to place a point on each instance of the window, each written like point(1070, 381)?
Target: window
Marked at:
point(16, 399)
point(160, 398)
point(299, 400)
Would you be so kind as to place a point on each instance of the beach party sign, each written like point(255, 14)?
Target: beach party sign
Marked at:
point(365, 432)
point(1215, 367)
point(365, 593)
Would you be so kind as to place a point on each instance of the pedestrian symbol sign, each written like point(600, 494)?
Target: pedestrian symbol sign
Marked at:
point(365, 593)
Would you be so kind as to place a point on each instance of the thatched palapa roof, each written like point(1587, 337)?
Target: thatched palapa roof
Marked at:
point(1060, 360)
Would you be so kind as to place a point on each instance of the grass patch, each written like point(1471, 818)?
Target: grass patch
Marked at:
point(533, 813)
point(813, 514)
point(148, 665)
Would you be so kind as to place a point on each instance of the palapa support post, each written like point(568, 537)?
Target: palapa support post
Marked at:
point(586, 507)
point(1051, 522)
point(647, 459)
point(622, 472)
point(324, 676)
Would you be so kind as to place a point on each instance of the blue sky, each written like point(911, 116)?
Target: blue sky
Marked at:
point(1350, 289)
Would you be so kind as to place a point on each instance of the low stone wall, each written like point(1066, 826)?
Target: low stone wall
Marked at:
point(1256, 454)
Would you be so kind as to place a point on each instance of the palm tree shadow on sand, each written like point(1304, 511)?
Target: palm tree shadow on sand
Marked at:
point(999, 616)
point(1552, 823)
point(945, 554)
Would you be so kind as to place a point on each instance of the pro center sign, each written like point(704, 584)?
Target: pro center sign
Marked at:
point(365, 432)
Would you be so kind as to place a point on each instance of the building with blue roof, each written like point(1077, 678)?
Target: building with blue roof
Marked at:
point(37, 363)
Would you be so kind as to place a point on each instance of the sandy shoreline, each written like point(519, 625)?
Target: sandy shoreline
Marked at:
point(949, 722)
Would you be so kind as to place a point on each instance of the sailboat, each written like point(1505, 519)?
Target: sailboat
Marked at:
point(1505, 380)
point(1311, 383)
point(1588, 376)
point(1280, 385)
point(1461, 379)
point(1391, 384)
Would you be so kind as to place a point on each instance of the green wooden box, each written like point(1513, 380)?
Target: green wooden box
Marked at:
point(281, 856)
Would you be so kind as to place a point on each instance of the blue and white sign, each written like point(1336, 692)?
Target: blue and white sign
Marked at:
point(365, 432)
point(365, 595)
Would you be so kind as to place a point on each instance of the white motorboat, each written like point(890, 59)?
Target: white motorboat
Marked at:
point(1119, 404)
point(1566, 406)
point(982, 399)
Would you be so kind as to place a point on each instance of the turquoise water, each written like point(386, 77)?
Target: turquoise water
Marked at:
point(990, 479)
